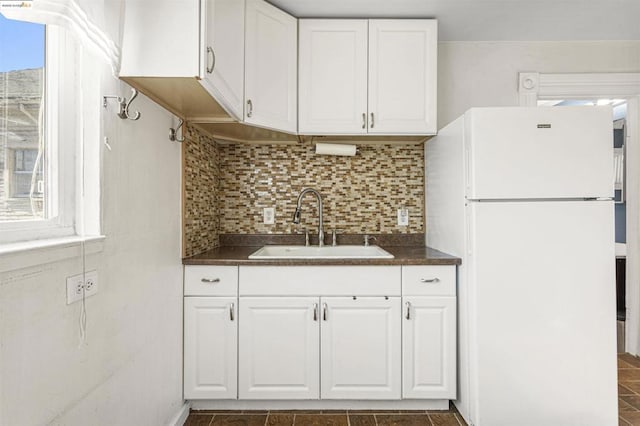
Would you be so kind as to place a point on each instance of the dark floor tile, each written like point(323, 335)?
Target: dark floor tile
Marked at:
point(403, 420)
point(280, 419)
point(448, 419)
point(623, 406)
point(239, 420)
point(633, 386)
point(198, 420)
point(633, 400)
point(321, 420)
point(334, 411)
point(623, 390)
point(254, 412)
point(362, 420)
point(631, 418)
point(460, 419)
point(295, 411)
point(630, 359)
point(380, 411)
point(624, 364)
point(622, 422)
point(628, 374)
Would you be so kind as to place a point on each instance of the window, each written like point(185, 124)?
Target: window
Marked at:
point(39, 132)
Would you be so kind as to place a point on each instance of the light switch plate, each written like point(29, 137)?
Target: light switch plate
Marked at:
point(403, 217)
point(269, 215)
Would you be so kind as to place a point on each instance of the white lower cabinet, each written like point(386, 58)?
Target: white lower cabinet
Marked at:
point(279, 351)
point(320, 332)
point(429, 347)
point(211, 344)
point(429, 332)
point(360, 346)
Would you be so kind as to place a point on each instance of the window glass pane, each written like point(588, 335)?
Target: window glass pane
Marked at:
point(23, 154)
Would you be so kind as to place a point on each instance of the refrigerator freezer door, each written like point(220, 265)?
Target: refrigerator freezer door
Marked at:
point(539, 153)
point(543, 314)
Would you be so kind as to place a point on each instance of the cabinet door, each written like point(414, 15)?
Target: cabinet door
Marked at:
point(360, 346)
point(160, 38)
point(402, 76)
point(223, 53)
point(210, 348)
point(271, 67)
point(279, 352)
point(333, 76)
point(429, 347)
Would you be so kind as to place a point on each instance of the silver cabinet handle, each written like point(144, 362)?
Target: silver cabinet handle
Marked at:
point(210, 280)
point(213, 59)
point(430, 280)
point(408, 305)
point(325, 316)
point(372, 121)
point(231, 312)
point(249, 108)
point(364, 120)
point(315, 312)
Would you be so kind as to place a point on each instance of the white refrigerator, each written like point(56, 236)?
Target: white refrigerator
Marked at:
point(524, 197)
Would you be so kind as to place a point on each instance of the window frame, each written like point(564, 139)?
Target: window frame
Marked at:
point(61, 88)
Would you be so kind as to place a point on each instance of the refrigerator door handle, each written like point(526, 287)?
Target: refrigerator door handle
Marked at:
point(430, 280)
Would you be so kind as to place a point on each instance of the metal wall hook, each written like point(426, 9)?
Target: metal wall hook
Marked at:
point(123, 104)
point(173, 133)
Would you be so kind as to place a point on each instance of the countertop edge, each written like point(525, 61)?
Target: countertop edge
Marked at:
point(238, 256)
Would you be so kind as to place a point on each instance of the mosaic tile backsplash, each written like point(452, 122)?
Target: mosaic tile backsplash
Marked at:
point(201, 193)
point(228, 185)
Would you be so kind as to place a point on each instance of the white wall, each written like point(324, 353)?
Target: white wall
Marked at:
point(472, 74)
point(129, 371)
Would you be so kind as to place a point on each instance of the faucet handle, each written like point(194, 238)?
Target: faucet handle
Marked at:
point(334, 240)
point(367, 239)
point(306, 237)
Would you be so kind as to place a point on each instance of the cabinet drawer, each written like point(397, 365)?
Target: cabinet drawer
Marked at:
point(210, 280)
point(319, 280)
point(429, 280)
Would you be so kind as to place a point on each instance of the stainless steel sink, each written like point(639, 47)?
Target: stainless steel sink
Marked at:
point(326, 252)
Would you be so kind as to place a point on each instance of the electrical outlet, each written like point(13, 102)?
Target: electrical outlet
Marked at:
point(403, 217)
point(76, 285)
point(269, 215)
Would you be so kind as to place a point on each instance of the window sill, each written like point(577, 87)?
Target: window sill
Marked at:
point(37, 252)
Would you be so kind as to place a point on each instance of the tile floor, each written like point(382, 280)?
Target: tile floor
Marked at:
point(450, 417)
point(628, 390)
point(628, 403)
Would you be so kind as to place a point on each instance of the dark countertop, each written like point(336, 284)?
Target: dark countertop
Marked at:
point(404, 255)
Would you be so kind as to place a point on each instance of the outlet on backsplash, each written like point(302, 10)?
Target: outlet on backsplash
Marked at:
point(269, 215)
point(403, 216)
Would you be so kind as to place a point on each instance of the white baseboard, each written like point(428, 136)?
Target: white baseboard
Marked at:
point(412, 404)
point(181, 416)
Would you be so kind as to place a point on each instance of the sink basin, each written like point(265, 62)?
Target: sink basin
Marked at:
point(326, 252)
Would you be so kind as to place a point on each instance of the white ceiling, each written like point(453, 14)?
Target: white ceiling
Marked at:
point(472, 20)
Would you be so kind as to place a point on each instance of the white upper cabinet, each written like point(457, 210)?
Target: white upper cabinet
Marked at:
point(223, 53)
point(332, 71)
point(395, 87)
point(271, 59)
point(402, 76)
point(160, 38)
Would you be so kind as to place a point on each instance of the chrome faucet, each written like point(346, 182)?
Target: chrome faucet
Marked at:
point(298, 212)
